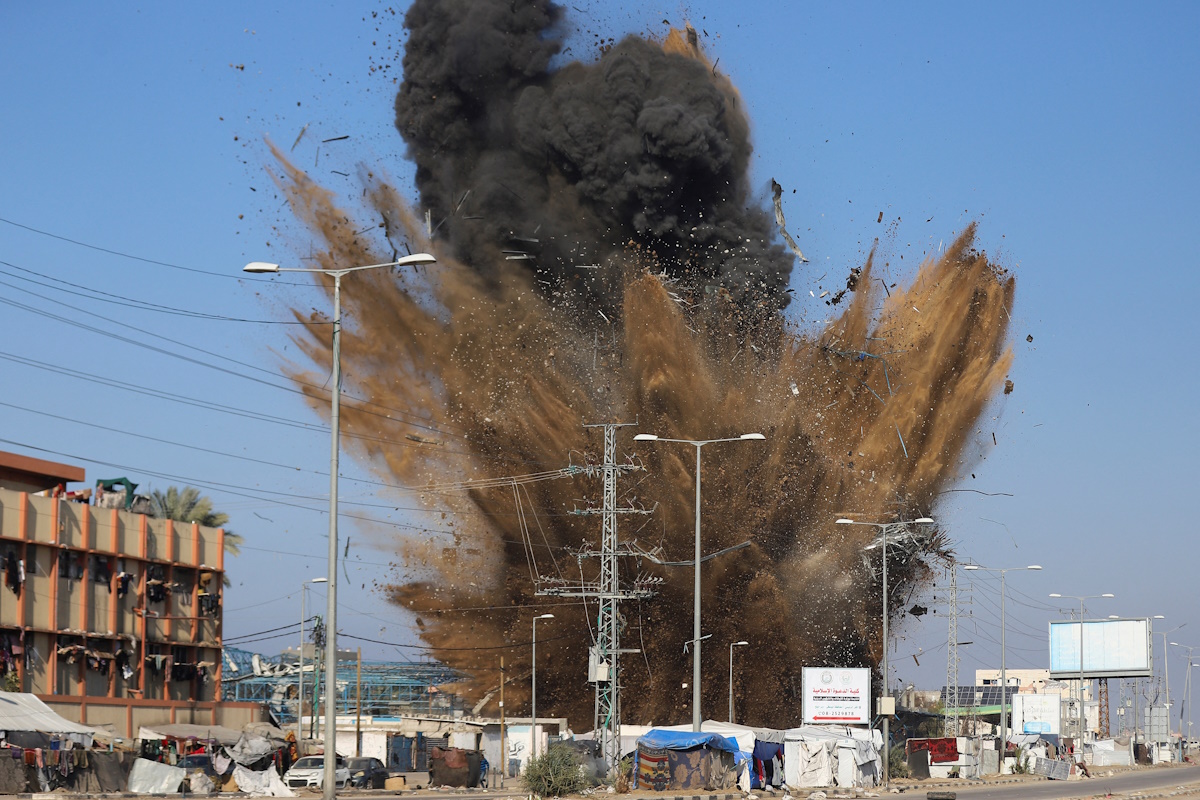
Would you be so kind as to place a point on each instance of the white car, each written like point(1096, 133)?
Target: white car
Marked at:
point(309, 772)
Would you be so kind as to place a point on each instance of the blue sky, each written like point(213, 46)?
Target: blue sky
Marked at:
point(1069, 132)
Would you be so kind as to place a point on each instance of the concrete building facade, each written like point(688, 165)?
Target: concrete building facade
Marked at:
point(110, 617)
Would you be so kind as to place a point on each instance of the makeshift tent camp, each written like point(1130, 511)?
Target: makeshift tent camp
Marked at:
point(27, 722)
point(753, 743)
point(832, 756)
point(685, 760)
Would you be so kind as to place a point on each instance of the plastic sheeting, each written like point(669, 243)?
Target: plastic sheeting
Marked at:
point(199, 783)
point(151, 777)
point(21, 711)
point(250, 748)
point(663, 739)
point(1108, 753)
point(832, 756)
point(261, 784)
point(217, 733)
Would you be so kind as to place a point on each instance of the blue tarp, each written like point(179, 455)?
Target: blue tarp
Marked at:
point(686, 740)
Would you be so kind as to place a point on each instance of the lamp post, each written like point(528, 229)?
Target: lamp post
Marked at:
point(300, 691)
point(883, 526)
point(697, 443)
point(533, 734)
point(1003, 667)
point(1081, 598)
point(1186, 698)
point(731, 646)
point(328, 786)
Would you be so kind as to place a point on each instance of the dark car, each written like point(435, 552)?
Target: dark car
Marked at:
point(367, 773)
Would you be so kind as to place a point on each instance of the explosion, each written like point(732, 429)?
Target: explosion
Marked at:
point(601, 260)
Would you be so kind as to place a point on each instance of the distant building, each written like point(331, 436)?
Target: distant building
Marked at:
point(109, 616)
point(1036, 681)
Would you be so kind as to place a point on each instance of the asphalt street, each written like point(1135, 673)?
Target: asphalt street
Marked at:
point(1147, 780)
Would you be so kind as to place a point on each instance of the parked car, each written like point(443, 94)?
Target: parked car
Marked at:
point(367, 773)
point(310, 770)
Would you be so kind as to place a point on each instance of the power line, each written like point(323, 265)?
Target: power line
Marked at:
point(240, 412)
point(429, 489)
point(198, 362)
point(130, 302)
point(456, 649)
point(268, 630)
point(144, 260)
point(236, 492)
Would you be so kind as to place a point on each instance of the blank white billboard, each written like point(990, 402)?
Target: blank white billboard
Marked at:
point(1112, 648)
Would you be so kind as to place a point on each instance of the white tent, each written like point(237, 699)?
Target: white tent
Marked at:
point(831, 756)
point(21, 712)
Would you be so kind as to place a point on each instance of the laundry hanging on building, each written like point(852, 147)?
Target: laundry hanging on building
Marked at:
point(156, 591)
point(123, 580)
point(14, 572)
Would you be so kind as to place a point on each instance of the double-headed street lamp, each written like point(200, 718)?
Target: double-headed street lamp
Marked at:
point(328, 780)
point(1003, 667)
point(533, 705)
point(697, 443)
point(731, 646)
point(884, 526)
point(1081, 598)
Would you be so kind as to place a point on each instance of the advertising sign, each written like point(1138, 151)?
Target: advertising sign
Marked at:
point(834, 695)
point(1112, 648)
point(1037, 713)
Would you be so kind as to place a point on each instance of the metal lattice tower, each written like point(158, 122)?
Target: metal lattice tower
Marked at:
point(604, 661)
point(950, 721)
point(1104, 721)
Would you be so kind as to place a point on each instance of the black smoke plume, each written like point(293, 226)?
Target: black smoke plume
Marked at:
point(646, 146)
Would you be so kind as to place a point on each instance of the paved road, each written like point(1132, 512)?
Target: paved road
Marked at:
point(1138, 780)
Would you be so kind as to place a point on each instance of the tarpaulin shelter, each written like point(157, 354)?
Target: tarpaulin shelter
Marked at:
point(832, 756)
point(28, 722)
point(675, 760)
point(762, 748)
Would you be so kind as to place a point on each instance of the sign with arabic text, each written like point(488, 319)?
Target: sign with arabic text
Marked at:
point(837, 696)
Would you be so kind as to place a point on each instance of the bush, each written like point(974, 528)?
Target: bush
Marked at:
point(556, 773)
point(898, 762)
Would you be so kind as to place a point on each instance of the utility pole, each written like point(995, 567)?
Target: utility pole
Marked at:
point(950, 712)
point(503, 747)
point(604, 659)
point(358, 709)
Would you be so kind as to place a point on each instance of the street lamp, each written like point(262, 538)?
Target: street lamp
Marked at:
point(883, 526)
point(697, 443)
point(300, 691)
point(1003, 667)
point(1186, 699)
point(533, 734)
point(731, 646)
point(328, 785)
point(1081, 598)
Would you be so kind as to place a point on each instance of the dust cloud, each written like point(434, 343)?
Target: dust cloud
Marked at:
point(654, 292)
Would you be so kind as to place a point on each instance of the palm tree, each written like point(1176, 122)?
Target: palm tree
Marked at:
point(188, 505)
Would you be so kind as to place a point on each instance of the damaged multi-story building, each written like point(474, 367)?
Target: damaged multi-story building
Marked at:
point(111, 617)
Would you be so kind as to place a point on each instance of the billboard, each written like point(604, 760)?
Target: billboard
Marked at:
point(1037, 713)
point(833, 695)
point(1112, 648)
